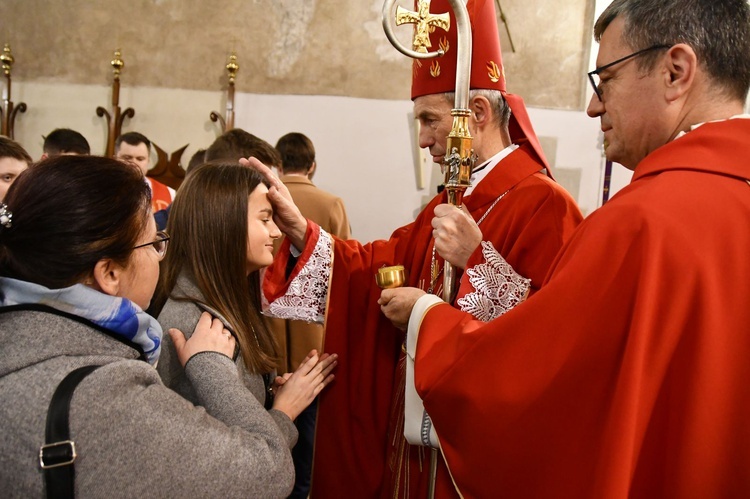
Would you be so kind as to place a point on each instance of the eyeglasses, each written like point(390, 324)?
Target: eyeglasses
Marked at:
point(160, 244)
point(594, 75)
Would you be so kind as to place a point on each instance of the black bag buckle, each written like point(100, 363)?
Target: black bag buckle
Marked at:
point(57, 454)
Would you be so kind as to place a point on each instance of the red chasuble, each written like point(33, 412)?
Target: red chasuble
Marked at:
point(161, 198)
point(353, 456)
point(627, 374)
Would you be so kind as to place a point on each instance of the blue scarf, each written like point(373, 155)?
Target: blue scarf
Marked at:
point(119, 315)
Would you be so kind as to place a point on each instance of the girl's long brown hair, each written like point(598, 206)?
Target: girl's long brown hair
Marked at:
point(208, 229)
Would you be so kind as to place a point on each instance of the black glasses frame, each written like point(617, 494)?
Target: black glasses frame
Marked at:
point(598, 70)
point(161, 237)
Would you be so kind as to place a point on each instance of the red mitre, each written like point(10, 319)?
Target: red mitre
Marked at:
point(438, 75)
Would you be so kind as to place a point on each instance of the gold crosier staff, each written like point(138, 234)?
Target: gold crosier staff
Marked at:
point(459, 160)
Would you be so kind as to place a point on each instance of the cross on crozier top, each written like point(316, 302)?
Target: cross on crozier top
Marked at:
point(425, 23)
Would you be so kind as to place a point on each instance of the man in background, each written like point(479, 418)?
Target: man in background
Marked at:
point(297, 338)
point(64, 141)
point(197, 159)
point(134, 147)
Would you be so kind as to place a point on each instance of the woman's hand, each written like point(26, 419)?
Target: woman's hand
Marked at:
point(295, 391)
point(209, 336)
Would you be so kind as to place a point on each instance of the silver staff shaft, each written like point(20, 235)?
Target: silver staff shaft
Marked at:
point(459, 160)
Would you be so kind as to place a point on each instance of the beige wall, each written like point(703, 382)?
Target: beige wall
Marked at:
point(340, 83)
point(305, 47)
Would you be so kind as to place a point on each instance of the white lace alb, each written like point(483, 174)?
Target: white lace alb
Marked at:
point(498, 287)
point(305, 299)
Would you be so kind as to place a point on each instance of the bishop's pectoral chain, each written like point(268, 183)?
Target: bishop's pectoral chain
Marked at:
point(436, 270)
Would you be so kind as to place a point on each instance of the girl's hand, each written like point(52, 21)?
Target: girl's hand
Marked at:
point(295, 391)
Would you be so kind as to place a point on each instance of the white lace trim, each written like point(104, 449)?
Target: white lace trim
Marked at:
point(305, 299)
point(498, 287)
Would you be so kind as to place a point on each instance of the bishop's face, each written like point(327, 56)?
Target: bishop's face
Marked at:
point(435, 123)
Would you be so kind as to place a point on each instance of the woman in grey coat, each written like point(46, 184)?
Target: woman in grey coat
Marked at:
point(222, 236)
point(79, 257)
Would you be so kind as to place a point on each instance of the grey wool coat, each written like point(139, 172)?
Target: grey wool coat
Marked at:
point(134, 436)
point(184, 315)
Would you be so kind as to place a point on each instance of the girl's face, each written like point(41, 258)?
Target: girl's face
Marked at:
point(261, 230)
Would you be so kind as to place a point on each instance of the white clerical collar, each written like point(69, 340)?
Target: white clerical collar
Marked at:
point(485, 168)
point(735, 117)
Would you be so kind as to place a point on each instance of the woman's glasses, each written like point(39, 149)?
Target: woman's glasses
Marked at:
point(160, 244)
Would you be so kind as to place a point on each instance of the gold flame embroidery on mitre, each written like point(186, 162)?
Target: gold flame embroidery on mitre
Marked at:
point(415, 67)
point(445, 45)
point(435, 69)
point(494, 72)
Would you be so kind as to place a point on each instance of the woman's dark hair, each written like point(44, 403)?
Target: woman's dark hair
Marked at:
point(69, 212)
point(208, 230)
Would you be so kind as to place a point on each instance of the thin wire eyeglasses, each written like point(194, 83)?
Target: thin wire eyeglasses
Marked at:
point(160, 244)
point(594, 75)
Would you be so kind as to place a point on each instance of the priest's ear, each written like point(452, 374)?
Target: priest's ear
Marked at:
point(680, 68)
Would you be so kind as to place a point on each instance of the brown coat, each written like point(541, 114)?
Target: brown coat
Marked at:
point(297, 338)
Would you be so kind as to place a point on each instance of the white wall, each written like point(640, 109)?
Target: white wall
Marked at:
point(363, 151)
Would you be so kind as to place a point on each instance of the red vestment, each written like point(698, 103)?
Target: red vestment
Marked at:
point(625, 375)
point(353, 456)
point(161, 196)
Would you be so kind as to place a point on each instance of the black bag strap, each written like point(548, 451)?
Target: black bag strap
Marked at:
point(58, 453)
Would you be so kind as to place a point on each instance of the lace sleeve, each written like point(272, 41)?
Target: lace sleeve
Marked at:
point(306, 296)
point(497, 287)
